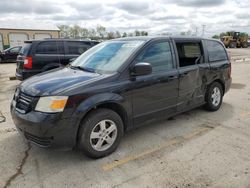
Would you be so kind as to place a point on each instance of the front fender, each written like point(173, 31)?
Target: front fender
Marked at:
point(90, 103)
point(96, 100)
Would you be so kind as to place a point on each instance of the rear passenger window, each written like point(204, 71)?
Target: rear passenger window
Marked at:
point(192, 50)
point(77, 48)
point(50, 48)
point(158, 55)
point(189, 53)
point(216, 52)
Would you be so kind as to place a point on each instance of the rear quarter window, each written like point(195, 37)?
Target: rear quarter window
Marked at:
point(216, 51)
point(25, 49)
point(77, 48)
point(50, 48)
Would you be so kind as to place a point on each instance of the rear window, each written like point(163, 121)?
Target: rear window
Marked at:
point(25, 49)
point(216, 51)
point(77, 48)
point(50, 48)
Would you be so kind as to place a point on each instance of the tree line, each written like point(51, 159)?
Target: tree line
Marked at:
point(98, 33)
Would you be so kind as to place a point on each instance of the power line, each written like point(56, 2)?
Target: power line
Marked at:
point(203, 29)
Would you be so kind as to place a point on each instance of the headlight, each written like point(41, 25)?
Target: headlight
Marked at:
point(51, 104)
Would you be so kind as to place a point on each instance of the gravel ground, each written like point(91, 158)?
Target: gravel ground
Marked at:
point(194, 149)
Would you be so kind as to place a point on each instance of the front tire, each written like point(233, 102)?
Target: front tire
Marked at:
point(100, 133)
point(214, 96)
point(232, 45)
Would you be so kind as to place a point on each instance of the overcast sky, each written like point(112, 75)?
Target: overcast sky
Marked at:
point(154, 16)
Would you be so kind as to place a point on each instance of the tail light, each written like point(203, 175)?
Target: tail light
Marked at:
point(230, 65)
point(27, 63)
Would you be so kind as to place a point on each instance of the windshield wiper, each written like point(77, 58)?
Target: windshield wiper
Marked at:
point(82, 68)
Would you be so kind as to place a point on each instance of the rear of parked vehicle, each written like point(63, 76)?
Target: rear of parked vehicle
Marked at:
point(10, 54)
point(117, 86)
point(42, 55)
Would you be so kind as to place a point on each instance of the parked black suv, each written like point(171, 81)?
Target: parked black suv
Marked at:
point(10, 54)
point(42, 55)
point(117, 86)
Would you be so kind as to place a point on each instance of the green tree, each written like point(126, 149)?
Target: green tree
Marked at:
point(144, 33)
point(111, 35)
point(183, 33)
point(84, 33)
point(137, 33)
point(64, 30)
point(216, 36)
point(130, 35)
point(101, 31)
point(92, 34)
point(117, 34)
point(167, 34)
point(124, 34)
point(75, 31)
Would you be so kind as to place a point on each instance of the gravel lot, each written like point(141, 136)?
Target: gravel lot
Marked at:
point(194, 149)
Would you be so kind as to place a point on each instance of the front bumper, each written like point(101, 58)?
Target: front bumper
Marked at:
point(46, 130)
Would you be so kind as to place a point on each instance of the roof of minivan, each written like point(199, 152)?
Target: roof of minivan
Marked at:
point(60, 39)
point(147, 38)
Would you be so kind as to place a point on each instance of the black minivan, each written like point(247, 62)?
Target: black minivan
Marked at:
point(38, 56)
point(119, 85)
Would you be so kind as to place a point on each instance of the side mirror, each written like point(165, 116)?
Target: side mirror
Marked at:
point(141, 69)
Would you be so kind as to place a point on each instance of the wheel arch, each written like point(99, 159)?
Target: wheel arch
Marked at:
point(221, 83)
point(114, 105)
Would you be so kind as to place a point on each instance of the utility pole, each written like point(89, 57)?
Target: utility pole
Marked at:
point(196, 31)
point(203, 30)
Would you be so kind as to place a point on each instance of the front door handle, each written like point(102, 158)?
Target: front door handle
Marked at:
point(172, 77)
point(183, 74)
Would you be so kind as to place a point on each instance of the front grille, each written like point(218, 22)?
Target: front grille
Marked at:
point(41, 141)
point(23, 102)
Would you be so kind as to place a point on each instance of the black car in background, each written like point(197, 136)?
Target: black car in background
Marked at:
point(117, 86)
point(10, 54)
point(42, 55)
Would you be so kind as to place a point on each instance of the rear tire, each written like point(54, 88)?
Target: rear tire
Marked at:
point(100, 133)
point(232, 45)
point(244, 45)
point(214, 96)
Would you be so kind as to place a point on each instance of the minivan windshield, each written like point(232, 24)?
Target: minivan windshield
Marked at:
point(107, 56)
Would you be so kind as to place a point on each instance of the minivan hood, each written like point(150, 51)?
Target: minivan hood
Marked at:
point(56, 81)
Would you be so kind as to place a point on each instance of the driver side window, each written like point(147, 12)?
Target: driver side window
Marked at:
point(158, 55)
point(14, 50)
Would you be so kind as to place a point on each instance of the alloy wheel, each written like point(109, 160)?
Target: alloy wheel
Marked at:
point(103, 135)
point(216, 96)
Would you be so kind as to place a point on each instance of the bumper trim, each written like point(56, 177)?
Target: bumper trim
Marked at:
point(40, 141)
